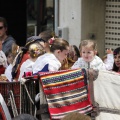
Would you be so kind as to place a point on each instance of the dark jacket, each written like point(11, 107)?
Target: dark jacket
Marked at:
point(7, 44)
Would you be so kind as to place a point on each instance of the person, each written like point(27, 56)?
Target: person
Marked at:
point(72, 57)
point(46, 35)
point(89, 59)
point(10, 58)
point(24, 117)
point(76, 116)
point(116, 65)
point(35, 50)
point(50, 61)
point(59, 49)
point(3, 60)
point(108, 58)
point(74, 53)
point(23, 55)
point(7, 40)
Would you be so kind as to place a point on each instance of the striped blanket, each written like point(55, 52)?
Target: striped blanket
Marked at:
point(66, 91)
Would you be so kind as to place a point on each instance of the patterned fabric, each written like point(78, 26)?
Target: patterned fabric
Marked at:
point(66, 91)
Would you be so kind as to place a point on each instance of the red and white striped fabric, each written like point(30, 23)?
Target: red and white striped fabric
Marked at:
point(66, 91)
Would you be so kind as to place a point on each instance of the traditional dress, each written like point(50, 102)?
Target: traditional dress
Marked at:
point(27, 66)
point(46, 59)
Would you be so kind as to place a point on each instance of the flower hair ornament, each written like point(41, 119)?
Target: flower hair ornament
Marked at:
point(51, 41)
point(35, 50)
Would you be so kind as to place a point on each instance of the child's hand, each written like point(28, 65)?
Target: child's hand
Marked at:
point(109, 51)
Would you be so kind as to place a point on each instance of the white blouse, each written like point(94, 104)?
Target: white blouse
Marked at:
point(96, 64)
point(26, 66)
point(48, 58)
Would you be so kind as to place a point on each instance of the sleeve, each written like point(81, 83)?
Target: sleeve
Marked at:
point(53, 66)
point(109, 62)
point(36, 66)
point(97, 64)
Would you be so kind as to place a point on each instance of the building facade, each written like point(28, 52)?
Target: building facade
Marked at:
point(74, 20)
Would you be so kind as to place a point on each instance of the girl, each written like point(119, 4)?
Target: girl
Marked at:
point(52, 61)
point(72, 57)
point(116, 65)
point(89, 59)
point(35, 50)
point(10, 57)
point(23, 55)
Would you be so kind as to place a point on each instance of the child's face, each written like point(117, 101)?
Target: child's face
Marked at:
point(117, 60)
point(61, 55)
point(88, 54)
point(10, 58)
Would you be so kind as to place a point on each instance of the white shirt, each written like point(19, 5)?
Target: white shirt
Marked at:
point(109, 62)
point(48, 58)
point(26, 66)
point(3, 59)
point(96, 64)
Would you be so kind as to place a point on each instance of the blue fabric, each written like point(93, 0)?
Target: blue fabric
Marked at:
point(45, 69)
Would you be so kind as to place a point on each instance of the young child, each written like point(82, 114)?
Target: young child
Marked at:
point(116, 65)
point(59, 49)
point(3, 60)
point(72, 57)
point(10, 57)
point(23, 55)
point(89, 59)
point(35, 50)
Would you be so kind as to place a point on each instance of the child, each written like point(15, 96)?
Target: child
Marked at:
point(74, 53)
point(9, 57)
point(23, 55)
point(35, 50)
point(52, 61)
point(72, 57)
point(116, 65)
point(3, 60)
point(88, 59)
